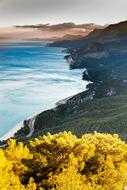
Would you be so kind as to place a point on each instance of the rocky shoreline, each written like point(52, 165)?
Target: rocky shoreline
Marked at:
point(102, 107)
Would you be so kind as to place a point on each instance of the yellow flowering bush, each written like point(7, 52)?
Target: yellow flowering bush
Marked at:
point(64, 162)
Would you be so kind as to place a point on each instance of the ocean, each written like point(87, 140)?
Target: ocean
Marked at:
point(33, 78)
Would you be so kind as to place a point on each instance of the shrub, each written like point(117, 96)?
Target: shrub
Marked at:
point(64, 162)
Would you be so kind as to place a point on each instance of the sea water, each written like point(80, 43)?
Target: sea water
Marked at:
point(33, 78)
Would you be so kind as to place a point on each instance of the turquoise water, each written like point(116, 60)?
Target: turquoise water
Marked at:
point(32, 78)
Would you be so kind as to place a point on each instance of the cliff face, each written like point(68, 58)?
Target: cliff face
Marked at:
point(103, 53)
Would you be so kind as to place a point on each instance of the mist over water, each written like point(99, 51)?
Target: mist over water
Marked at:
point(32, 79)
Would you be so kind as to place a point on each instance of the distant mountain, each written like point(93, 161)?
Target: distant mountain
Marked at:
point(113, 32)
point(65, 37)
point(70, 37)
point(103, 53)
point(62, 31)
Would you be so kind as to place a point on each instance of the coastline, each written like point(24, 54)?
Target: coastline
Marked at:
point(12, 132)
point(63, 101)
point(31, 122)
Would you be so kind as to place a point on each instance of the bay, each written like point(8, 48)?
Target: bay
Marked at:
point(33, 78)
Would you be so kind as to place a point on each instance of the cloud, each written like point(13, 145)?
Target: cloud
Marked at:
point(57, 11)
point(69, 26)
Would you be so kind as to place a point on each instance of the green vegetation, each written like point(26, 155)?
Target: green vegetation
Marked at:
point(103, 115)
point(108, 114)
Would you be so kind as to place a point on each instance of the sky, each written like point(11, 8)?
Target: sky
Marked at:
point(20, 12)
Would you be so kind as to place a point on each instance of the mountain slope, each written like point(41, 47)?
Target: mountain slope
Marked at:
point(113, 32)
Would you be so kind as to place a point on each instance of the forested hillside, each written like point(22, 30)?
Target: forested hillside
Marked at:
point(102, 108)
